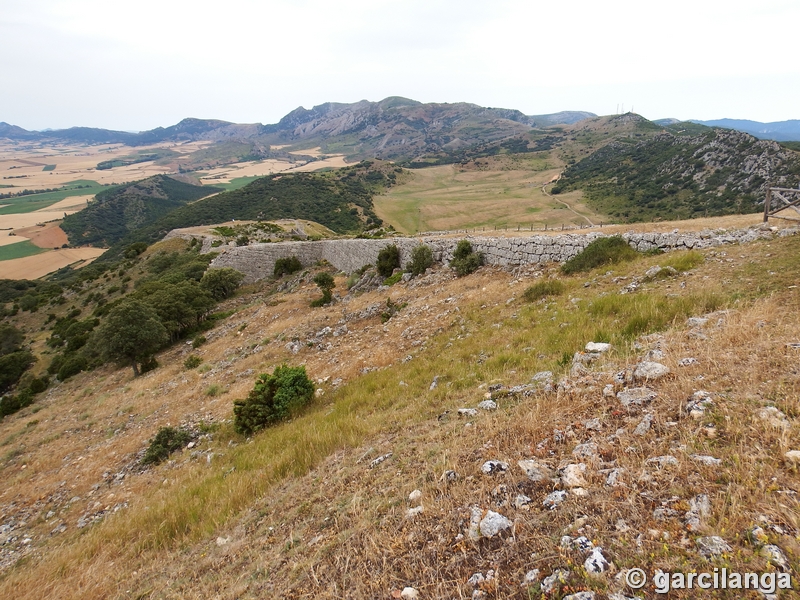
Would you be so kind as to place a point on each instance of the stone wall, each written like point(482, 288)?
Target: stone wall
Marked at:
point(258, 260)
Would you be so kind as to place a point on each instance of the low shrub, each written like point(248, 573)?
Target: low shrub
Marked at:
point(192, 362)
point(274, 398)
point(165, 442)
point(421, 259)
point(393, 279)
point(326, 284)
point(388, 260)
point(602, 251)
point(465, 259)
point(286, 266)
point(543, 289)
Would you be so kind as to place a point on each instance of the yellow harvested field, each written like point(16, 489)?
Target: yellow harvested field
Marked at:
point(268, 167)
point(67, 205)
point(33, 267)
point(6, 239)
point(21, 166)
point(335, 161)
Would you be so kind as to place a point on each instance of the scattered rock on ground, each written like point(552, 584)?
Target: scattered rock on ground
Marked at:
point(711, 546)
point(650, 371)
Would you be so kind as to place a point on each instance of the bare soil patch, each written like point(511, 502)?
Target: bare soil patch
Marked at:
point(47, 235)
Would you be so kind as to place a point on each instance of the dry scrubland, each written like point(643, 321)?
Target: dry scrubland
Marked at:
point(504, 191)
point(298, 512)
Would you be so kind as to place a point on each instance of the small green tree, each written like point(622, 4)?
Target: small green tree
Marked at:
point(421, 259)
point(465, 259)
point(388, 260)
point(274, 398)
point(221, 283)
point(326, 284)
point(287, 266)
point(131, 333)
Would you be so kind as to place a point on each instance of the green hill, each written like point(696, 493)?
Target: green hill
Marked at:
point(340, 200)
point(116, 212)
point(679, 172)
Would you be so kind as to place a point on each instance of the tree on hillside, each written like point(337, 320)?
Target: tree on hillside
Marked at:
point(131, 334)
point(221, 283)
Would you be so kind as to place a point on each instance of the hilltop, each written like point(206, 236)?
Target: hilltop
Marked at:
point(117, 212)
point(432, 393)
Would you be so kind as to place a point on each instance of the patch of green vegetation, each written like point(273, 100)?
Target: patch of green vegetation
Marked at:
point(36, 201)
point(49, 168)
point(19, 250)
point(340, 200)
point(544, 289)
point(274, 398)
point(116, 212)
point(602, 251)
point(393, 279)
point(165, 442)
point(236, 183)
point(465, 259)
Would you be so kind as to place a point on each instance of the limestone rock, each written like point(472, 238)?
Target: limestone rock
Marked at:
point(553, 499)
point(650, 371)
point(493, 467)
point(409, 593)
point(494, 523)
point(573, 475)
point(597, 347)
point(792, 458)
point(535, 470)
point(775, 556)
point(552, 582)
point(663, 461)
point(708, 461)
point(774, 418)
point(711, 546)
point(596, 562)
point(487, 405)
point(635, 397)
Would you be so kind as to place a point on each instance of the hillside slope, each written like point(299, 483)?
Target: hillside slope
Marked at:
point(679, 172)
point(641, 470)
point(117, 212)
point(340, 200)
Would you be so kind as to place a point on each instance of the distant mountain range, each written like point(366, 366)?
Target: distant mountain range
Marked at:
point(780, 131)
point(394, 128)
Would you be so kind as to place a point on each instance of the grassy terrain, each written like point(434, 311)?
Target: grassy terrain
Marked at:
point(236, 183)
point(32, 202)
point(19, 250)
point(298, 510)
point(49, 168)
point(487, 193)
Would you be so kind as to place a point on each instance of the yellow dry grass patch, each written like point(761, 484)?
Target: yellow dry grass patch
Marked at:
point(504, 193)
point(39, 265)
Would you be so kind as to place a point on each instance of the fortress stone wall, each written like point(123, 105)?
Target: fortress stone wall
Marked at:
point(257, 261)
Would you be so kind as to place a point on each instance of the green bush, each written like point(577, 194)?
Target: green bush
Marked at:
point(602, 251)
point(193, 361)
point(326, 284)
point(393, 279)
point(12, 366)
point(221, 283)
point(286, 266)
point(465, 259)
point(274, 398)
point(388, 260)
point(421, 259)
point(198, 341)
point(543, 289)
point(72, 365)
point(166, 441)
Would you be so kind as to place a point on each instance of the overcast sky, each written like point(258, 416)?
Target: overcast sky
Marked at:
point(138, 65)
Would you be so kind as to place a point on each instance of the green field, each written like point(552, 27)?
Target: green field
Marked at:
point(19, 250)
point(236, 183)
point(26, 204)
point(505, 194)
point(49, 168)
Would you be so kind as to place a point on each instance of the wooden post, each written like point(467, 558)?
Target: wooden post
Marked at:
point(767, 203)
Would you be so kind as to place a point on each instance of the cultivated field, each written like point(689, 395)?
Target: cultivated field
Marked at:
point(267, 167)
point(494, 193)
point(39, 265)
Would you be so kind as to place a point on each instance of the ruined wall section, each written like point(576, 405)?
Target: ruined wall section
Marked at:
point(258, 260)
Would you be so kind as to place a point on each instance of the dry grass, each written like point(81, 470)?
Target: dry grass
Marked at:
point(499, 192)
point(300, 512)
